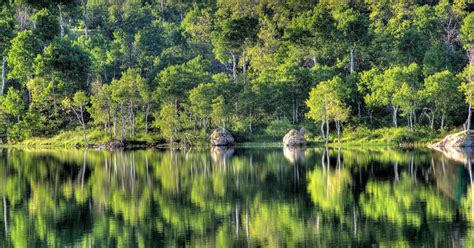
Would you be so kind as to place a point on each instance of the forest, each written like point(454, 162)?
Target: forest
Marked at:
point(159, 71)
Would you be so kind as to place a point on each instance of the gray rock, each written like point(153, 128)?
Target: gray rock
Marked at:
point(461, 139)
point(221, 137)
point(294, 138)
point(303, 131)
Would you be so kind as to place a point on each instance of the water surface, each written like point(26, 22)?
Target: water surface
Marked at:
point(236, 197)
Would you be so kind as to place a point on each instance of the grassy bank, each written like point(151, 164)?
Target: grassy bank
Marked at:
point(360, 136)
point(74, 138)
point(401, 136)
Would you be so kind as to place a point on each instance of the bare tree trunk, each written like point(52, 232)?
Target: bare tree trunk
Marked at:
point(162, 3)
point(394, 116)
point(410, 120)
point(122, 121)
point(61, 20)
point(338, 127)
point(147, 112)
point(432, 119)
point(352, 60)
point(115, 123)
point(83, 122)
point(327, 130)
point(4, 75)
point(326, 110)
point(443, 116)
point(359, 111)
point(322, 131)
point(234, 67)
point(294, 110)
point(414, 117)
point(469, 114)
point(244, 64)
point(471, 61)
point(84, 13)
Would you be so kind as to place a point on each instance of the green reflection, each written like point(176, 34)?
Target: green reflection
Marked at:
point(237, 197)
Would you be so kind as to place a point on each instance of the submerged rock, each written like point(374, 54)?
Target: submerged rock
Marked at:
point(294, 138)
point(221, 137)
point(461, 139)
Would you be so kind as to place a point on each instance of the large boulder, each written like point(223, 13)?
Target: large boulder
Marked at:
point(294, 138)
point(461, 139)
point(221, 137)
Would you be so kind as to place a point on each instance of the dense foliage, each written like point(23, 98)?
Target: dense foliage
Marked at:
point(173, 70)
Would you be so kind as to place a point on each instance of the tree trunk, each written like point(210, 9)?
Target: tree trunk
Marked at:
point(326, 110)
point(322, 131)
point(4, 75)
point(294, 111)
point(162, 3)
point(409, 120)
point(394, 116)
point(234, 67)
point(61, 20)
point(359, 111)
point(84, 131)
point(327, 130)
point(471, 61)
point(443, 116)
point(122, 122)
point(469, 113)
point(338, 127)
point(414, 117)
point(147, 112)
point(84, 13)
point(115, 123)
point(432, 119)
point(352, 60)
point(244, 64)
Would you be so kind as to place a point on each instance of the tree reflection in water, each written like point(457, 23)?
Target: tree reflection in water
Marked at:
point(236, 197)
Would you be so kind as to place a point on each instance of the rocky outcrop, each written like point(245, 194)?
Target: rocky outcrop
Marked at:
point(294, 138)
point(461, 139)
point(221, 137)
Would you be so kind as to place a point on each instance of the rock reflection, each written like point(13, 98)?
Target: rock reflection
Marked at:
point(221, 154)
point(295, 155)
point(458, 154)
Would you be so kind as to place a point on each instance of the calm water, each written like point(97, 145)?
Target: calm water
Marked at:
point(242, 197)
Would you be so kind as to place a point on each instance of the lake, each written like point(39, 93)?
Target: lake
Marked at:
point(245, 197)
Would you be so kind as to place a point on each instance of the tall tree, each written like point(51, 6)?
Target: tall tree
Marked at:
point(326, 104)
point(385, 87)
point(78, 106)
point(7, 29)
